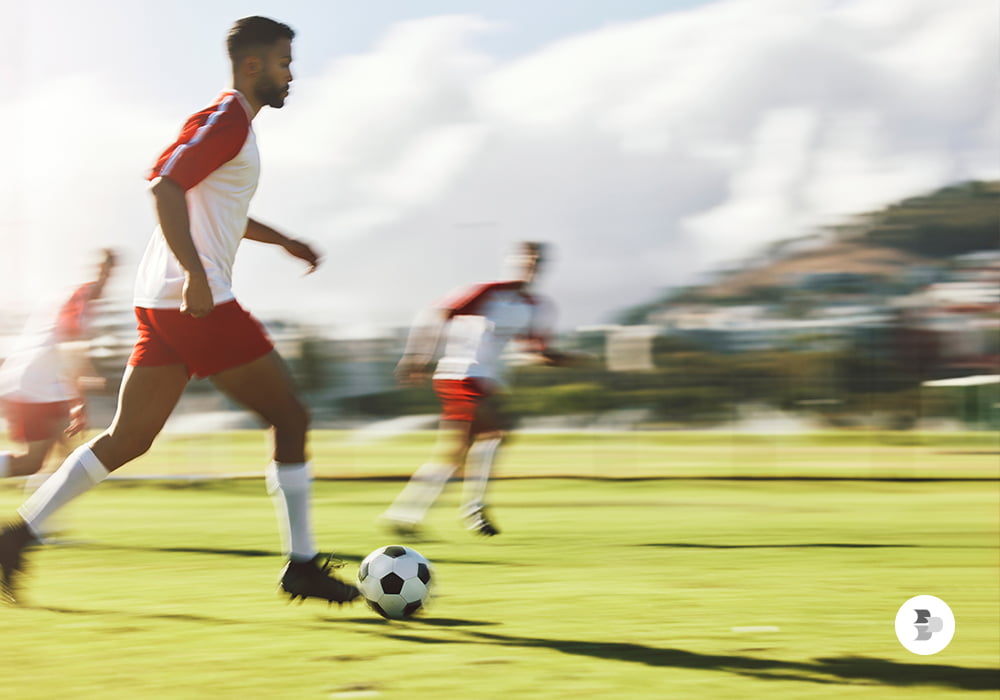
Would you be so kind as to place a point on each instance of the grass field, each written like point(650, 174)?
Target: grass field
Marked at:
point(630, 566)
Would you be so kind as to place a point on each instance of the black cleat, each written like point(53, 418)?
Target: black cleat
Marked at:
point(14, 539)
point(480, 523)
point(310, 579)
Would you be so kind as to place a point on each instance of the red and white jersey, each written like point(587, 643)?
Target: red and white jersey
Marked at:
point(482, 320)
point(215, 160)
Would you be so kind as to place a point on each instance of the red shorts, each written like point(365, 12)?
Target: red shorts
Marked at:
point(459, 398)
point(468, 400)
point(227, 337)
point(30, 422)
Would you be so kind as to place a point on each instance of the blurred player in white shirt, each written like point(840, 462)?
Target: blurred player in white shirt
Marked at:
point(475, 328)
point(41, 381)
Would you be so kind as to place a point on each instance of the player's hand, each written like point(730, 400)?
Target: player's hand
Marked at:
point(196, 299)
point(303, 251)
point(77, 420)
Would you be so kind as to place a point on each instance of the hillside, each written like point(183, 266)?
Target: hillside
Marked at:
point(919, 232)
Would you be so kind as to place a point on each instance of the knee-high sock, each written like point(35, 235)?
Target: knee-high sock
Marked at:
point(290, 487)
point(80, 472)
point(419, 494)
point(478, 466)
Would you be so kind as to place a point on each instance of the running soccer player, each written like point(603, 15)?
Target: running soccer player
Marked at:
point(477, 325)
point(41, 381)
point(190, 324)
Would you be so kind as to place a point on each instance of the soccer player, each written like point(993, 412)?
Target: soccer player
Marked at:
point(190, 323)
point(477, 324)
point(41, 381)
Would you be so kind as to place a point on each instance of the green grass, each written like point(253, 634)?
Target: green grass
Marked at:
point(597, 588)
point(845, 454)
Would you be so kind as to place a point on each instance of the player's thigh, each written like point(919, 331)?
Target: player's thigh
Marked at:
point(265, 387)
point(454, 437)
point(146, 399)
point(492, 416)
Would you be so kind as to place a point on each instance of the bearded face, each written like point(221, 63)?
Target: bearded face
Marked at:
point(272, 83)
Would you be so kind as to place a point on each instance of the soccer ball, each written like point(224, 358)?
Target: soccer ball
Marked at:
point(395, 581)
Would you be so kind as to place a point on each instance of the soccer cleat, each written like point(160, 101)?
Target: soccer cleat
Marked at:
point(311, 579)
point(480, 523)
point(14, 539)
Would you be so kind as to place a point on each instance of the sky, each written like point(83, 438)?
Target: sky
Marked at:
point(649, 142)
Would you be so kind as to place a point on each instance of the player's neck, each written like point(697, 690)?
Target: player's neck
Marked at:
point(247, 94)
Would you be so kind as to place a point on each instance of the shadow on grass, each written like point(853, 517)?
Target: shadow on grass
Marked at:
point(250, 553)
point(847, 669)
point(375, 620)
point(176, 617)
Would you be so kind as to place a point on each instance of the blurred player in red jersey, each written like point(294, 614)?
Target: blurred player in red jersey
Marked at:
point(190, 324)
point(41, 390)
point(477, 325)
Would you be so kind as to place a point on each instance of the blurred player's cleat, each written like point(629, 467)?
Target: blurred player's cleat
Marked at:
point(311, 579)
point(480, 523)
point(14, 539)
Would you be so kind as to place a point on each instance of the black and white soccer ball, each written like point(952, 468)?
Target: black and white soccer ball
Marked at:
point(395, 581)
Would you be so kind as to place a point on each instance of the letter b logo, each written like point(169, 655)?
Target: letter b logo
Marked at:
point(925, 625)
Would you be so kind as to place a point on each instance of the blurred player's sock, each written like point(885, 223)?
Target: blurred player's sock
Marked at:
point(290, 487)
point(5, 464)
point(80, 472)
point(423, 488)
point(478, 466)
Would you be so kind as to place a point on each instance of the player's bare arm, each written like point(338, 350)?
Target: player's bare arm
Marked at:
point(172, 212)
point(415, 366)
point(262, 233)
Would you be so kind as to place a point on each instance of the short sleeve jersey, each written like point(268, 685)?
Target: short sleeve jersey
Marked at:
point(215, 160)
point(482, 321)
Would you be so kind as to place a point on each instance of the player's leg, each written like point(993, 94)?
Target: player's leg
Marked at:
point(459, 399)
point(147, 397)
point(265, 387)
point(27, 461)
point(489, 430)
point(36, 427)
point(478, 468)
point(410, 507)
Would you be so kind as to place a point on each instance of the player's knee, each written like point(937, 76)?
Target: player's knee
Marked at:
point(120, 448)
point(293, 418)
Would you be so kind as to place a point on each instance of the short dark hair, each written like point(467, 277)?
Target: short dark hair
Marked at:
point(536, 248)
point(251, 33)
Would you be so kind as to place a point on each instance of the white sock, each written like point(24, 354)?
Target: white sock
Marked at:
point(290, 487)
point(5, 464)
point(80, 472)
point(478, 466)
point(419, 494)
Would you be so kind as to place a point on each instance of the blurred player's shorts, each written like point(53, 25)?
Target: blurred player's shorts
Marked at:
point(31, 422)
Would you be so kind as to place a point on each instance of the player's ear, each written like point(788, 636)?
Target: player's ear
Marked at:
point(251, 65)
